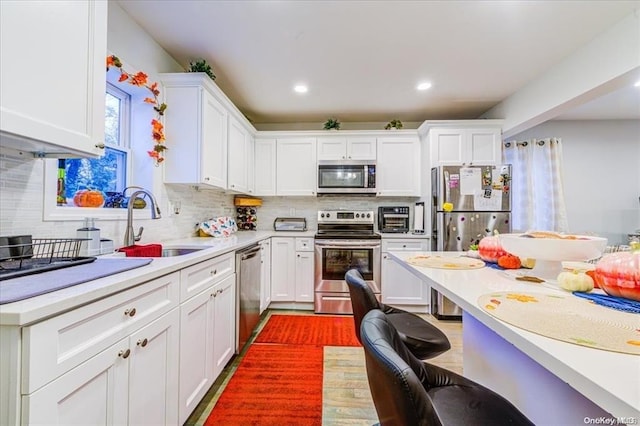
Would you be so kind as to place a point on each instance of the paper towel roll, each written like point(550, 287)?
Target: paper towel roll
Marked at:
point(418, 219)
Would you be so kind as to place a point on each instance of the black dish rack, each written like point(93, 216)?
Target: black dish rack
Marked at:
point(23, 255)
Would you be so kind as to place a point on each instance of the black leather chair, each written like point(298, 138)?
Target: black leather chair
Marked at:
point(423, 339)
point(407, 391)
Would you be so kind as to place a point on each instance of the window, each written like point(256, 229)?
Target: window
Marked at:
point(125, 163)
point(107, 174)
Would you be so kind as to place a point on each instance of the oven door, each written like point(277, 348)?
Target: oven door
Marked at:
point(335, 257)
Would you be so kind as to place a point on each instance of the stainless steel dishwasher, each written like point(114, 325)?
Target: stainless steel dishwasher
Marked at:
point(248, 293)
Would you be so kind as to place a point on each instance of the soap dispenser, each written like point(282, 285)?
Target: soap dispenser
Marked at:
point(91, 247)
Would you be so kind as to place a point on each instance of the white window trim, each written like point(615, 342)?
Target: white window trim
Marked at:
point(52, 212)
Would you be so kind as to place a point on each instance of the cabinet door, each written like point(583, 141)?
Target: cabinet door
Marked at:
point(251, 165)
point(224, 323)
point(401, 287)
point(238, 148)
point(332, 148)
point(196, 352)
point(214, 143)
point(265, 167)
point(361, 148)
point(64, 103)
point(447, 147)
point(153, 372)
point(484, 146)
point(304, 276)
point(265, 275)
point(283, 270)
point(398, 166)
point(96, 392)
point(297, 168)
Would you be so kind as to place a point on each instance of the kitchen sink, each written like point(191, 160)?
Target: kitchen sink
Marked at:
point(179, 251)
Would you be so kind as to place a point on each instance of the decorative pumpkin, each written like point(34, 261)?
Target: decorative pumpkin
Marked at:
point(509, 261)
point(618, 274)
point(490, 249)
point(88, 198)
point(575, 281)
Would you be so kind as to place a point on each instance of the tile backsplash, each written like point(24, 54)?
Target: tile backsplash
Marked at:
point(21, 204)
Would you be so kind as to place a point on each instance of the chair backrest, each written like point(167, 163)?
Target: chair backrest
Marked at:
point(398, 393)
point(362, 297)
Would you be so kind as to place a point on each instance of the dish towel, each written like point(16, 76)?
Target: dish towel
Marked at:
point(618, 303)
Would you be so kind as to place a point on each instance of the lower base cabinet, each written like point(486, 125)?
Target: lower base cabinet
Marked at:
point(399, 286)
point(207, 341)
point(292, 269)
point(119, 385)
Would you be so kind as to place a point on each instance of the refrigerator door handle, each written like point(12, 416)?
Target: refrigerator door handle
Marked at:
point(447, 191)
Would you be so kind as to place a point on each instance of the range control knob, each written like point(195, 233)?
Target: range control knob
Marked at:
point(328, 214)
point(368, 215)
point(321, 214)
point(357, 215)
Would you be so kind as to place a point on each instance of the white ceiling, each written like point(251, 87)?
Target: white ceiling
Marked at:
point(363, 59)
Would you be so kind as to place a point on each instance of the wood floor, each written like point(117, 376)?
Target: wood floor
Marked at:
point(346, 398)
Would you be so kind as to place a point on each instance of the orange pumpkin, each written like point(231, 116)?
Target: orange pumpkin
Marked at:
point(88, 198)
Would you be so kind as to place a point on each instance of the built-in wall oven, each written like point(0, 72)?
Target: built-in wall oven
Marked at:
point(345, 240)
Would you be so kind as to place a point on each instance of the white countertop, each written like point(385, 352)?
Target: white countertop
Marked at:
point(610, 379)
point(40, 307)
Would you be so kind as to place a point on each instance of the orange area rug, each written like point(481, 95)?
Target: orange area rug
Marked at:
point(309, 330)
point(279, 380)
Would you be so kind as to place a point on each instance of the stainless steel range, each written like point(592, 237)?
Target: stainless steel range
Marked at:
point(345, 239)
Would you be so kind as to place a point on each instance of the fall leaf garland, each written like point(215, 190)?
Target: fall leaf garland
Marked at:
point(157, 129)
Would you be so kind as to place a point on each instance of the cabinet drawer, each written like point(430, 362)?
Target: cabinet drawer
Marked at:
point(405, 245)
point(304, 244)
point(56, 345)
point(198, 277)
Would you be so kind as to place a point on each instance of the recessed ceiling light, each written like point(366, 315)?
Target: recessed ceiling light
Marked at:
point(423, 86)
point(637, 84)
point(301, 88)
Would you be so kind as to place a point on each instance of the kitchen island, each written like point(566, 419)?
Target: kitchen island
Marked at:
point(552, 382)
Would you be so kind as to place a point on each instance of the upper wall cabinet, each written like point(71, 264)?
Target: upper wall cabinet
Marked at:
point(398, 166)
point(265, 166)
point(196, 125)
point(465, 142)
point(297, 169)
point(346, 148)
point(240, 157)
point(53, 77)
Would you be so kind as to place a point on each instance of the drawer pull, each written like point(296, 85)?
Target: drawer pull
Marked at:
point(130, 312)
point(124, 354)
point(215, 271)
point(143, 342)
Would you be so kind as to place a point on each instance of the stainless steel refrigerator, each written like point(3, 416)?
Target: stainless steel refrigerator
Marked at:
point(467, 204)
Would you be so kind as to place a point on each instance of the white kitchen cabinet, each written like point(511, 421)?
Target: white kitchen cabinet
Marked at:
point(399, 286)
point(458, 146)
point(297, 169)
point(238, 164)
point(196, 131)
point(398, 166)
point(265, 274)
point(207, 329)
point(131, 382)
point(347, 148)
point(224, 320)
point(265, 166)
point(251, 166)
point(57, 109)
point(292, 269)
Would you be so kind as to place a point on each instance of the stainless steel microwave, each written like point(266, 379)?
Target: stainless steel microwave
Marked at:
point(346, 177)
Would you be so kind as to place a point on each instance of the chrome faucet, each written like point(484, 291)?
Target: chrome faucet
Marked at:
point(129, 237)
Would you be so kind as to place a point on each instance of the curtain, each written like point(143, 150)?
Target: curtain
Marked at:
point(537, 185)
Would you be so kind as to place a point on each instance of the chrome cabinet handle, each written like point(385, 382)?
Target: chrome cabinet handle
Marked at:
point(100, 145)
point(130, 312)
point(124, 354)
point(142, 342)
